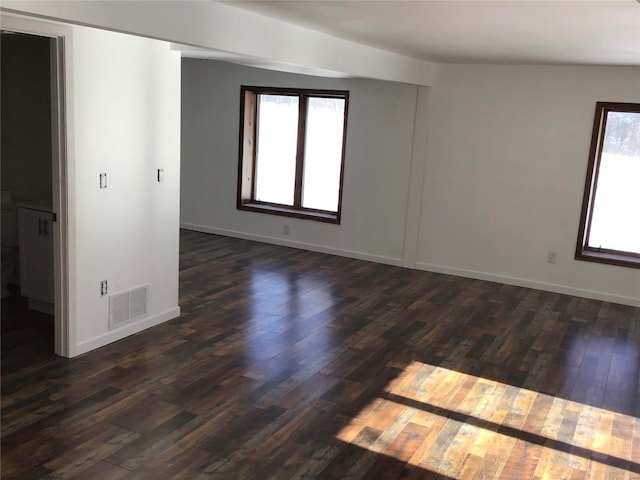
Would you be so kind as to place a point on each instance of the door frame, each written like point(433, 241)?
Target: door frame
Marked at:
point(63, 175)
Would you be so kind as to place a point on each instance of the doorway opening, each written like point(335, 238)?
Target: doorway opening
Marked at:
point(35, 316)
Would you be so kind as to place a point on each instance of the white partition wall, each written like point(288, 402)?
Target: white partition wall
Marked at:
point(122, 118)
point(126, 98)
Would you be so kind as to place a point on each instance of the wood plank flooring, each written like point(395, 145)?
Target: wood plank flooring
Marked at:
point(288, 364)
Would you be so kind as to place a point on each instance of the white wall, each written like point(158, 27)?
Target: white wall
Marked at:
point(126, 97)
point(377, 165)
point(507, 152)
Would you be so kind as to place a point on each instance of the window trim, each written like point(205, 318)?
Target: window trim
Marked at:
point(247, 153)
point(583, 250)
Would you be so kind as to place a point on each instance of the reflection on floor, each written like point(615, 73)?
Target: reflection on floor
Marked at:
point(290, 364)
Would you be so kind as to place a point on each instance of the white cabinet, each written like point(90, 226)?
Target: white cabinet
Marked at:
point(35, 236)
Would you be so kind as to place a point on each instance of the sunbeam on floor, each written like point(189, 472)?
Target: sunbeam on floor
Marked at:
point(460, 425)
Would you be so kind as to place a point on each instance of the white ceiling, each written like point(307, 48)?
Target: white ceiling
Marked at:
point(597, 32)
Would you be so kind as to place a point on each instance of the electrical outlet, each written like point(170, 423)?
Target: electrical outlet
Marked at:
point(103, 180)
point(552, 257)
point(285, 229)
point(104, 288)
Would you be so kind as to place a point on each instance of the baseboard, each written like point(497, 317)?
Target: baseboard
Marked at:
point(523, 282)
point(125, 331)
point(519, 282)
point(397, 262)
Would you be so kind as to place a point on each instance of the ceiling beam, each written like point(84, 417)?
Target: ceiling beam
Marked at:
point(222, 27)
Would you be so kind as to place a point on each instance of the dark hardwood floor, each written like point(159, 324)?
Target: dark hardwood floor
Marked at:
point(288, 364)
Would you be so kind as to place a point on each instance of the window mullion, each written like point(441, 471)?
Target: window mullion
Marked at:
point(302, 121)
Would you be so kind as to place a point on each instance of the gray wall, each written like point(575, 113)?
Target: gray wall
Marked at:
point(377, 163)
point(508, 147)
point(26, 117)
point(504, 169)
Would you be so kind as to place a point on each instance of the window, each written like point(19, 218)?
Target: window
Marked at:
point(292, 152)
point(610, 220)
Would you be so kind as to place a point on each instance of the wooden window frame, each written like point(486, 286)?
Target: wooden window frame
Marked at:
point(247, 153)
point(583, 250)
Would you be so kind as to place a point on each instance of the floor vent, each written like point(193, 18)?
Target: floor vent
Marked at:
point(128, 306)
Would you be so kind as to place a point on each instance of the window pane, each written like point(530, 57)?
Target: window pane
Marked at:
point(276, 148)
point(323, 153)
point(616, 210)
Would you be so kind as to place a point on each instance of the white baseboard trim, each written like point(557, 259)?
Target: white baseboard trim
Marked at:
point(125, 331)
point(523, 282)
point(397, 262)
point(491, 277)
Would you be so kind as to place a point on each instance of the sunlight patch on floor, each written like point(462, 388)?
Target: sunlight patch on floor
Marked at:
point(461, 425)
